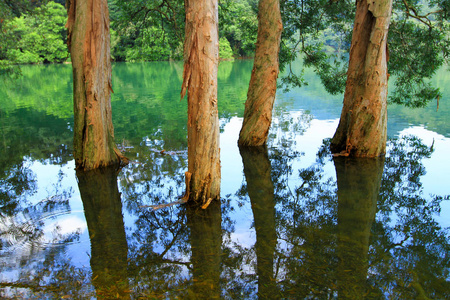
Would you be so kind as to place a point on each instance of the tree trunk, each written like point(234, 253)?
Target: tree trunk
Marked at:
point(88, 41)
point(263, 82)
point(201, 57)
point(362, 127)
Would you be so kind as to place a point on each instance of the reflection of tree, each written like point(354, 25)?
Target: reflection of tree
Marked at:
point(205, 240)
point(337, 246)
point(409, 255)
point(358, 183)
point(260, 189)
point(33, 256)
point(31, 134)
point(103, 210)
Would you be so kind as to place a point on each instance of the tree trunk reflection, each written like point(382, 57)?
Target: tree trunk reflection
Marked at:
point(206, 244)
point(103, 210)
point(358, 188)
point(260, 189)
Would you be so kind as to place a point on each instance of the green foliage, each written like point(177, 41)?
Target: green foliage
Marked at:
point(238, 23)
point(225, 51)
point(149, 46)
point(418, 51)
point(140, 31)
point(39, 37)
point(320, 32)
point(147, 30)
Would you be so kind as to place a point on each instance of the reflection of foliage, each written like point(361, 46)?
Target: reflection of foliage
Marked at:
point(34, 135)
point(410, 255)
point(22, 222)
point(15, 183)
point(36, 253)
point(407, 256)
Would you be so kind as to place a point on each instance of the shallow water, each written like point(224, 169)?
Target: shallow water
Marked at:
point(292, 223)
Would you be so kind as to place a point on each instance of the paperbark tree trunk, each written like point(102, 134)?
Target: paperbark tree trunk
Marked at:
point(89, 46)
point(362, 127)
point(263, 82)
point(201, 57)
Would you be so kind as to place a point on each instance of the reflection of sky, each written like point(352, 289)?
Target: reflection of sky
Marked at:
point(59, 183)
point(232, 179)
point(435, 181)
point(437, 177)
point(54, 180)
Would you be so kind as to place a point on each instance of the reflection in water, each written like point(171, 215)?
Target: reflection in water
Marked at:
point(302, 244)
point(103, 210)
point(358, 182)
point(260, 190)
point(206, 241)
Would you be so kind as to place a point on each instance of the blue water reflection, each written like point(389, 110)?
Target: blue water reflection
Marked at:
point(292, 222)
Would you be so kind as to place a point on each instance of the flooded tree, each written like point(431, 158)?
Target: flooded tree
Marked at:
point(362, 128)
point(89, 45)
point(263, 82)
point(201, 57)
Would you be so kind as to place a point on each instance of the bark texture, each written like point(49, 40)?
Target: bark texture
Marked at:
point(201, 57)
point(362, 127)
point(89, 46)
point(263, 82)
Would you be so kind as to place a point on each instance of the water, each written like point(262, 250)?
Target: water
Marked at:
point(292, 222)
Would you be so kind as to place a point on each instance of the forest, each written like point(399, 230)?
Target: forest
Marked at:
point(154, 32)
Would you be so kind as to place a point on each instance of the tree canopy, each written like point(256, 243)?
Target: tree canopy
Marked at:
point(418, 43)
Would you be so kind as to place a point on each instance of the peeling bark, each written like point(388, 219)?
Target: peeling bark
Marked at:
point(201, 57)
point(89, 46)
point(263, 82)
point(362, 128)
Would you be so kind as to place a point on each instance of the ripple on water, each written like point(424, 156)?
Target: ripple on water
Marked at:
point(22, 236)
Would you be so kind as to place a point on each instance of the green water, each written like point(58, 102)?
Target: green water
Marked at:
point(293, 222)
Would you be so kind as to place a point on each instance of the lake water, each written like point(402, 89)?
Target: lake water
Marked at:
point(293, 222)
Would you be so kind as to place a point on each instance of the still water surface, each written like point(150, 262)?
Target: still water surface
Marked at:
point(293, 222)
